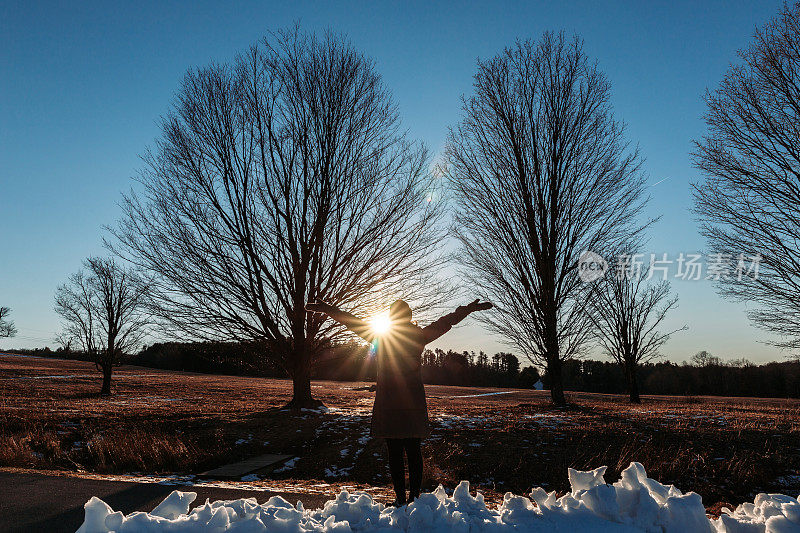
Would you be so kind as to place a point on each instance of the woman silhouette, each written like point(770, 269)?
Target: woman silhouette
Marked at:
point(400, 412)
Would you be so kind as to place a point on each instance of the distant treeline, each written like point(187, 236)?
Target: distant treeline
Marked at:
point(353, 362)
point(232, 358)
point(203, 357)
point(769, 380)
point(346, 362)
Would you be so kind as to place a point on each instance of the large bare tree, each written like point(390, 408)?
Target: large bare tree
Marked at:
point(279, 179)
point(749, 203)
point(541, 173)
point(102, 307)
point(7, 328)
point(627, 311)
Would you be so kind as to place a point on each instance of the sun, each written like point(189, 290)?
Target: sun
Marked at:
point(381, 324)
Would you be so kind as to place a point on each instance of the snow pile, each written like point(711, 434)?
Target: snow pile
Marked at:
point(635, 503)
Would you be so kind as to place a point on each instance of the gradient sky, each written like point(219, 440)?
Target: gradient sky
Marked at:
point(83, 84)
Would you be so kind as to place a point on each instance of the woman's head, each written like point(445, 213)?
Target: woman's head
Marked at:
point(400, 311)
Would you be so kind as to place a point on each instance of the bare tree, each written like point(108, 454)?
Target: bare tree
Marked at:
point(64, 341)
point(749, 204)
point(102, 306)
point(627, 311)
point(281, 179)
point(705, 359)
point(7, 328)
point(541, 173)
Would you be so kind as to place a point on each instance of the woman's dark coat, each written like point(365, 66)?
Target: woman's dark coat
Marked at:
point(400, 410)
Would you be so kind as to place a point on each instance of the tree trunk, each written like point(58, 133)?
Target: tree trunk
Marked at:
point(554, 366)
point(106, 389)
point(556, 381)
point(301, 380)
point(551, 345)
point(633, 383)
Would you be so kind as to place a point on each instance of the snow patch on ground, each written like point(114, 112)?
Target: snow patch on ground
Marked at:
point(545, 420)
point(462, 421)
point(349, 412)
point(245, 440)
point(335, 471)
point(479, 395)
point(633, 504)
point(288, 465)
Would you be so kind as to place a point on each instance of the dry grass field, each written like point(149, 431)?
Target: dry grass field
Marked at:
point(171, 423)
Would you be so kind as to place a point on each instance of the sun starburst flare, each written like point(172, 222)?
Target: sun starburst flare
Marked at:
point(380, 324)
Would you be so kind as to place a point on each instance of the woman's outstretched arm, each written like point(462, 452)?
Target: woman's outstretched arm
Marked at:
point(444, 324)
point(350, 321)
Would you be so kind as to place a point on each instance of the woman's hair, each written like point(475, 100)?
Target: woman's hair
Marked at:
point(400, 311)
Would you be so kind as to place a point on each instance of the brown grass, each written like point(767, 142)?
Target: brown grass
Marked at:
point(169, 422)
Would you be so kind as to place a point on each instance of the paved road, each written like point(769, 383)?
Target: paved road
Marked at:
point(36, 502)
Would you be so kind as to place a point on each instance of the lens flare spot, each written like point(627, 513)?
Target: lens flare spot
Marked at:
point(381, 324)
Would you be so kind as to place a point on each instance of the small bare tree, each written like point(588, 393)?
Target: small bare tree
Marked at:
point(627, 312)
point(7, 328)
point(705, 359)
point(541, 173)
point(64, 341)
point(749, 204)
point(102, 308)
point(281, 179)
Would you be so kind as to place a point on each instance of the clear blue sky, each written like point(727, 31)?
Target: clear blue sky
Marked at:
point(83, 84)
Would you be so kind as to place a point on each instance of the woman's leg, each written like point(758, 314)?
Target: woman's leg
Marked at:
point(414, 452)
point(397, 468)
